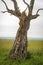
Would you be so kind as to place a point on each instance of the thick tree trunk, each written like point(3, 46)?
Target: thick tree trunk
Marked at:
point(19, 48)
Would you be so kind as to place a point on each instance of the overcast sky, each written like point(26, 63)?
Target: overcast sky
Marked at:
point(9, 24)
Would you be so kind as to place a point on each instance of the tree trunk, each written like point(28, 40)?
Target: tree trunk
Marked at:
point(19, 48)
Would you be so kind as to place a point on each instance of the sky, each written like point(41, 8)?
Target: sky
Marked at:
point(9, 23)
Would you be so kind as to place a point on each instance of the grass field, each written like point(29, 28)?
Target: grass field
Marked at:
point(35, 53)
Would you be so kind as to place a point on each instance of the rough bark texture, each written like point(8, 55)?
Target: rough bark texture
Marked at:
point(19, 48)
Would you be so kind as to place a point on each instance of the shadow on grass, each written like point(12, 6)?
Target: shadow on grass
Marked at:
point(29, 55)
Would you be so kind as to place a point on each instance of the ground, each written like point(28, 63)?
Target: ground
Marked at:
point(35, 53)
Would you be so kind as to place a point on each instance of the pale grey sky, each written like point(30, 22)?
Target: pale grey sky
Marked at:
point(9, 24)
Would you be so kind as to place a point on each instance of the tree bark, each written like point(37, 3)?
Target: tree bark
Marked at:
point(19, 48)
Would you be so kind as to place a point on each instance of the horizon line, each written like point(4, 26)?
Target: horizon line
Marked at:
point(29, 38)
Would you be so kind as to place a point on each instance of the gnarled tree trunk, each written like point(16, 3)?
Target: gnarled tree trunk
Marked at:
point(19, 48)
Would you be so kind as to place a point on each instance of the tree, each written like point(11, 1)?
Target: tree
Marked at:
point(19, 48)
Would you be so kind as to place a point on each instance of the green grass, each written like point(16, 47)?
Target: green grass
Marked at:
point(35, 53)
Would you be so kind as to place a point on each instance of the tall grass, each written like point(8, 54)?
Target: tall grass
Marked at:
point(35, 53)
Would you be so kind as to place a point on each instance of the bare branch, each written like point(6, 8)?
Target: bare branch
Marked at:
point(34, 16)
point(26, 4)
point(4, 11)
point(8, 10)
point(16, 7)
point(11, 11)
point(31, 6)
point(39, 10)
point(5, 4)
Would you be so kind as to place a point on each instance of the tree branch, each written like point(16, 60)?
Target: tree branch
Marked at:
point(31, 6)
point(11, 11)
point(17, 11)
point(8, 10)
point(4, 11)
point(5, 4)
point(39, 10)
point(15, 5)
point(26, 4)
point(34, 16)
